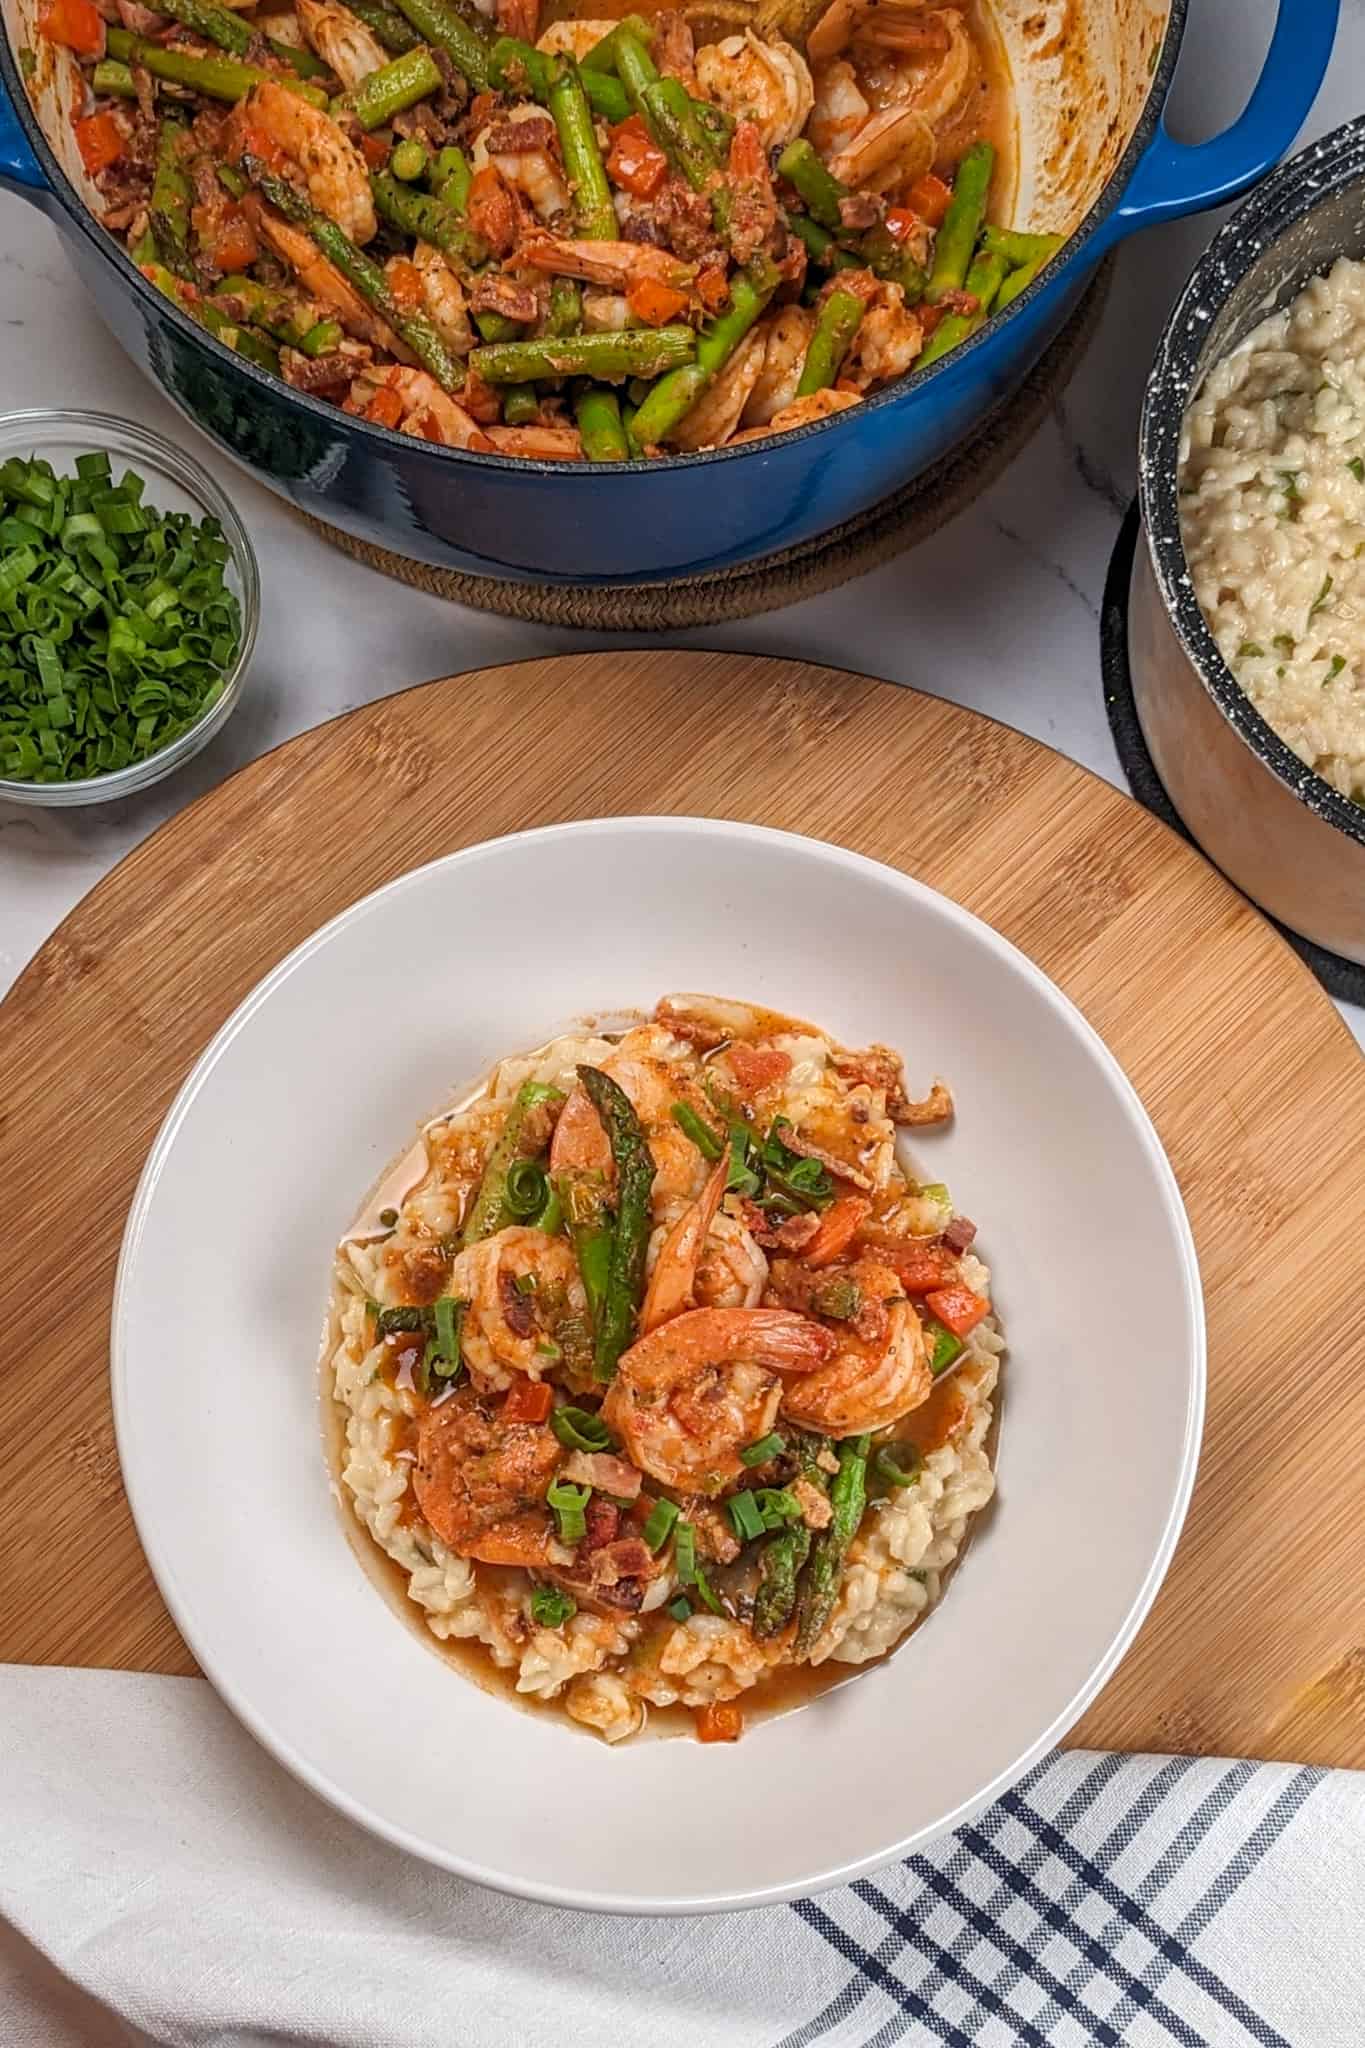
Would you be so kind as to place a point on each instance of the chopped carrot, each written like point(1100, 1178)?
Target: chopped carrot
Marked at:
point(929, 197)
point(712, 286)
point(100, 141)
point(838, 1228)
point(386, 407)
point(958, 1308)
point(719, 1721)
point(918, 1264)
point(234, 247)
point(75, 24)
point(636, 163)
point(493, 212)
point(376, 149)
point(529, 1401)
point(655, 303)
point(755, 1066)
point(405, 282)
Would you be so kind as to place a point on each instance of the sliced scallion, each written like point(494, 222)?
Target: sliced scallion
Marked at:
point(551, 1607)
point(770, 1446)
point(527, 1189)
point(578, 1429)
point(659, 1523)
point(897, 1464)
point(746, 1518)
point(568, 1502)
point(681, 1608)
point(692, 1126)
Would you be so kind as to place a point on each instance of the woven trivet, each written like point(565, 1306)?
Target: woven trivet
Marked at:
point(901, 521)
point(1344, 979)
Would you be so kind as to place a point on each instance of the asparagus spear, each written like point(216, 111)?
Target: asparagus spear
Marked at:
point(840, 318)
point(635, 67)
point(113, 78)
point(489, 1210)
point(520, 405)
point(386, 25)
point(254, 347)
point(820, 1581)
point(602, 55)
point(359, 269)
point(436, 21)
point(609, 358)
point(1018, 248)
point(565, 315)
point(517, 66)
point(785, 1553)
point(606, 96)
point(672, 121)
point(274, 310)
point(582, 159)
point(598, 414)
point(452, 178)
point(630, 1238)
point(962, 222)
point(395, 87)
point(984, 280)
point(497, 328)
point(1019, 280)
point(675, 395)
point(220, 25)
point(170, 202)
point(821, 246)
point(218, 78)
point(818, 187)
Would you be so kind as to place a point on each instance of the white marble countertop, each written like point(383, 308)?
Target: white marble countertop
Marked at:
point(334, 634)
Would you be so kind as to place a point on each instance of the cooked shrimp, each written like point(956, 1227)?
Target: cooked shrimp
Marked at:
point(443, 298)
point(839, 110)
point(715, 415)
point(688, 1397)
point(767, 83)
point(481, 1481)
point(530, 169)
point(538, 443)
point(786, 336)
point(322, 280)
point(617, 265)
point(429, 413)
point(653, 1084)
point(341, 40)
point(523, 1289)
point(573, 38)
point(518, 18)
point(733, 1271)
point(672, 1284)
point(872, 1379)
point(606, 312)
point(333, 168)
point(887, 342)
point(803, 413)
point(889, 150)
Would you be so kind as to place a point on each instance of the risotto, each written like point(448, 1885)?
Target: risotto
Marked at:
point(1273, 520)
point(661, 1379)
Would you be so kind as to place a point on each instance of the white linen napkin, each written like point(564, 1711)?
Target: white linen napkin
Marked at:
point(162, 1880)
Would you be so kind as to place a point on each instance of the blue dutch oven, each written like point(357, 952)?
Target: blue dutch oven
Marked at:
point(1093, 151)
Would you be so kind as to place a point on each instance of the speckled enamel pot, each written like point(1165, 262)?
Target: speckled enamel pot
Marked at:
point(1275, 828)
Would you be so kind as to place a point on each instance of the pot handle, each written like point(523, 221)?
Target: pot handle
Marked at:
point(1176, 178)
point(20, 170)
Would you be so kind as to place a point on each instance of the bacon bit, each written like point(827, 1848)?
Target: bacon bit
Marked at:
point(493, 212)
point(376, 149)
point(816, 1511)
point(930, 198)
point(755, 1066)
point(516, 138)
point(795, 262)
point(936, 1107)
point(528, 1401)
point(840, 1168)
point(836, 1229)
point(405, 282)
point(716, 1540)
point(496, 293)
point(75, 24)
point(636, 162)
point(791, 1235)
point(323, 373)
point(719, 1721)
point(100, 141)
point(959, 1234)
point(623, 1558)
point(607, 1473)
point(858, 210)
point(713, 287)
point(602, 1520)
point(481, 400)
point(958, 1308)
point(655, 303)
point(919, 1265)
point(519, 18)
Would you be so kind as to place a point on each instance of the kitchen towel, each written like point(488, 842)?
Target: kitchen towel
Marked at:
point(163, 1880)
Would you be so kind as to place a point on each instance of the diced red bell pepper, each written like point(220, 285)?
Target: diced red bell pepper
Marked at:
point(918, 1267)
point(636, 162)
point(529, 1401)
point(385, 408)
point(719, 1721)
point(929, 198)
point(234, 246)
point(75, 24)
point(959, 1309)
point(376, 149)
point(405, 282)
point(655, 303)
point(713, 287)
point(100, 141)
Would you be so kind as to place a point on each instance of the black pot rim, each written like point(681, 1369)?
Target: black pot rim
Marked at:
point(1289, 195)
point(114, 253)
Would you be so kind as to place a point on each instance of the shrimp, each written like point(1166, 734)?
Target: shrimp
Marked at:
point(786, 336)
point(767, 83)
point(538, 443)
point(322, 281)
point(529, 167)
point(890, 149)
point(429, 413)
point(733, 1271)
point(524, 1294)
point(481, 1481)
point(606, 312)
point(839, 110)
point(688, 1397)
point(673, 1281)
point(518, 18)
point(872, 1379)
point(333, 168)
point(443, 298)
point(889, 339)
point(574, 38)
point(341, 40)
point(653, 1085)
point(716, 413)
point(803, 413)
point(617, 265)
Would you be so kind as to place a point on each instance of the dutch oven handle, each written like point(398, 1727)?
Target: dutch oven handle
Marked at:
point(1176, 178)
point(20, 170)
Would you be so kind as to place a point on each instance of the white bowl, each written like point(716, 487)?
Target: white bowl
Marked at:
point(319, 1079)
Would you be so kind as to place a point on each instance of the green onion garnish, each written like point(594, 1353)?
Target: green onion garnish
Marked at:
point(701, 1134)
point(702, 1585)
point(897, 1464)
point(741, 1179)
point(1320, 600)
point(681, 1608)
point(659, 1523)
point(401, 1321)
point(944, 1346)
point(685, 1553)
point(551, 1608)
point(578, 1429)
point(777, 1504)
point(770, 1446)
point(448, 1315)
point(568, 1503)
point(525, 1283)
point(745, 1517)
point(1356, 465)
point(527, 1189)
point(805, 1181)
point(117, 629)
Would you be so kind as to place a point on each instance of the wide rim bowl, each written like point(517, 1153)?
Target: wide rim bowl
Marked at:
point(1289, 195)
point(66, 431)
point(290, 1673)
point(1105, 203)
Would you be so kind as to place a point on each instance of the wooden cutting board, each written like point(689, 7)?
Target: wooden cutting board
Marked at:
point(1256, 1646)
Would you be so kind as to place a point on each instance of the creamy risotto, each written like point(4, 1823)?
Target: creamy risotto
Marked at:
point(1273, 519)
point(662, 1379)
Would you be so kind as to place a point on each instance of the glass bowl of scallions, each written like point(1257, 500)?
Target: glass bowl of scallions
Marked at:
point(129, 600)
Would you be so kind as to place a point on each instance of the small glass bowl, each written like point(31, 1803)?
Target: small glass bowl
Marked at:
point(175, 483)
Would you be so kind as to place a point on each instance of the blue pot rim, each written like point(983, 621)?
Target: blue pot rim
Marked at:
point(113, 252)
point(1291, 192)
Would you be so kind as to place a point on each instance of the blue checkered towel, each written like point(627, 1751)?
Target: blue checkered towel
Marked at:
point(162, 1880)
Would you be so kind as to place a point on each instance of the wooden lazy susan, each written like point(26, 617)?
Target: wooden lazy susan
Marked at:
point(1255, 1646)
